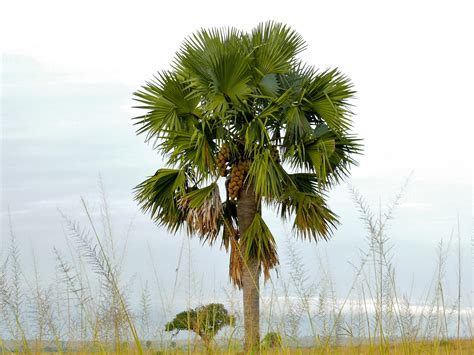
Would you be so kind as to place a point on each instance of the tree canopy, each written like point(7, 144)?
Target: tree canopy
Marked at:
point(243, 106)
point(206, 321)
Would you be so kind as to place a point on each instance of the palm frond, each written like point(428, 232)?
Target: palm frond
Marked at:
point(236, 263)
point(219, 67)
point(297, 126)
point(312, 218)
point(327, 154)
point(259, 242)
point(230, 241)
point(275, 47)
point(195, 148)
point(168, 103)
point(269, 85)
point(266, 175)
point(305, 182)
point(256, 135)
point(204, 211)
point(328, 94)
point(159, 196)
point(229, 223)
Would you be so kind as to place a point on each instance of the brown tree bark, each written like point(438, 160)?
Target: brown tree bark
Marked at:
point(247, 207)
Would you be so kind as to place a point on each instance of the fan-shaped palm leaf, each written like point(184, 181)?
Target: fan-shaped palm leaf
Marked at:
point(159, 196)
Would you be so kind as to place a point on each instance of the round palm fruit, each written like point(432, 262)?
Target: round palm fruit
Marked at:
point(274, 153)
point(237, 177)
point(222, 159)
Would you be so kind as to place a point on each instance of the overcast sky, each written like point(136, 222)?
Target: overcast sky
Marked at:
point(69, 71)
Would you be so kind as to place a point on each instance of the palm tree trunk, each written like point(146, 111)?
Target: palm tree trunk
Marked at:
point(247, 207)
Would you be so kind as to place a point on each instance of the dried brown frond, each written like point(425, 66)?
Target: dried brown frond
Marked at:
point(235, 263)
point(203, 220)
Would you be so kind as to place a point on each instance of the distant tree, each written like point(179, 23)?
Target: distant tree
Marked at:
point(206, 321)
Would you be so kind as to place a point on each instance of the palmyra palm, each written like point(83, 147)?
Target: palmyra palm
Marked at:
point(242, 107)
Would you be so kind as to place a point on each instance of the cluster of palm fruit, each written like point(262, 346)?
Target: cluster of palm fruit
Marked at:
point(238, 168)
point(222, 159)
point(237, 175)
point(274, 153)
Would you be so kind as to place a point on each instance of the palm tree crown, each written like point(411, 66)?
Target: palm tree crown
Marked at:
point(243, 107)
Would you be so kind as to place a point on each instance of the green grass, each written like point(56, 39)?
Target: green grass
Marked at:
point(464, 346)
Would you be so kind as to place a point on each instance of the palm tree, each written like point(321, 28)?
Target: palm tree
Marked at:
point(243, 107)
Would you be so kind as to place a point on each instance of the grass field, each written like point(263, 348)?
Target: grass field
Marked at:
point(463, 346)
point(88, 308)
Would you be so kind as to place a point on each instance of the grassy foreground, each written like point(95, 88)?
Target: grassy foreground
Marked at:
point(463, 346)
point(90, 309)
